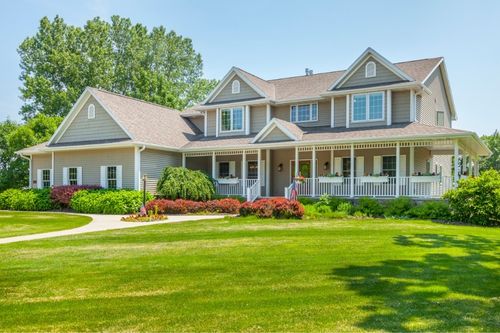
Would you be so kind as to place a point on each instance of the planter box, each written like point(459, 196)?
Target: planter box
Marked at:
point(228, 181)
point(372, 179)
point(425, 179)
point(335, 180)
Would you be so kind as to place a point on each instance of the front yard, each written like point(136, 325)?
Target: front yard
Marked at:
point(256, 275)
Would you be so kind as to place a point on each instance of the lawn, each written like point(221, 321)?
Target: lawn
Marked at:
point(251, 275)
point(26, 223)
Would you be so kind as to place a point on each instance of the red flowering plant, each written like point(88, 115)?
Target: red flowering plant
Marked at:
point(181, 206)
point(62, 195)
point(274, 207)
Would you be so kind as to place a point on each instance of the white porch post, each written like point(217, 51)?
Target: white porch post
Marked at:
point(214, 165)
point(296, 171)
point(217, 122)
point(268, 113)
point(183, 160)
point(332, 160)
point(412, 167)
point(244, 172)
point(332, 112)
point(259, 166)
point(469, 169)
point(351, 179)
point(389, 107)
point(398, 162)
point(268, 172)
point(476, 166)
point(313, 187)
point(205, 123)
point(455, 163)
point(247, 119)
point(347, 107)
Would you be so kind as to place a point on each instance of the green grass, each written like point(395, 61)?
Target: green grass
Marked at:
point(250, 275)
point(26, 223)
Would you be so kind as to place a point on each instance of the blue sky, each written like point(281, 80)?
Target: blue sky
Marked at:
point(281, 38)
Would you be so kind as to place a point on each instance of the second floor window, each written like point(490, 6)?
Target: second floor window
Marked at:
point(439, 118)
point(235, 87)
point(368, 107)
point(91, 111)
point(232, 119)
point(303, 113)
point(370, 69)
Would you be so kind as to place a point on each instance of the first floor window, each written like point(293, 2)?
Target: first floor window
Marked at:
point(346, 166)
point(366, 107)
point(73, 176)
point(303, 112)
point(389, 166)
point(252, 170)
point(439, 118)
point(46, 178)
point(232, 119)
point(223, 169)
point(111, 177)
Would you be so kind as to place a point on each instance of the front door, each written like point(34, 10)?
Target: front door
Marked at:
point(304, 169)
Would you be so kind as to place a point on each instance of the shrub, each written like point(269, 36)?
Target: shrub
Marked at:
point(224, 206)
point(62, 194)
point(332, 202)
point(107, 201)
point(181, 206)
point(398, 207)
point(345, 207)
point(307, 200)
point(477, 200)
point(237, 197)
point(182, 183)
point(27, 200)
point(370, 207)
point(274, 207)
point(431, 210)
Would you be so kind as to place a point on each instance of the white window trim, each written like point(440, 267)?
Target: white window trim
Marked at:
point(235, 87)
point(367, 114)
point(232, 111)
point(374, 69)
point(40, 178)
point(91, 111)
point(437, 118)
point(104, 176)
point(310, 113)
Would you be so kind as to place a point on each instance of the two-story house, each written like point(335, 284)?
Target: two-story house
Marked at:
point(378, 129)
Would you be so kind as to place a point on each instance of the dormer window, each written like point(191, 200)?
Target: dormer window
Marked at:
point(91, 111)
point(370, 69)
point(236, 87)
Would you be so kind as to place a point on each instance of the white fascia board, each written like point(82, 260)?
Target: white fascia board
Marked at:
point(269, 127)
point(232, 104)
point(403, 85)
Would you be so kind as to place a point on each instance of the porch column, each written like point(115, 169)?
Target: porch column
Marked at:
point(268, 172)
point(347, 107)
point(332, 112)
point(398, 162)
point(214, 164)
point(455, 163)
point(217, 121)
point(244, 172)
point(351, 179)
point(469, 169)
point(412, 161)
point(313, 187)
point(183, 160)
point(259, 156)
point(247, 119)
point(476, 166)
point(268, 113)
point(332, 160)
point(296, 171)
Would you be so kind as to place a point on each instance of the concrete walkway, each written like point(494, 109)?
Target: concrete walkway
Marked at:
point(106, 222)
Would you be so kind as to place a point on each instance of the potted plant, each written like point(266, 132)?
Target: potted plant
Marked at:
point(425, 178)
point(299, 179)
point(376, 178)
point(331, 178)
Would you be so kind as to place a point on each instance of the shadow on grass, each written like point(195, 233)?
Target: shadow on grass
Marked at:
point(437, 292)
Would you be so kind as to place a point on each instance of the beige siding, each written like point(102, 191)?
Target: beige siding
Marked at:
point(91, 161)
point(211, 114)
point(246, 92)
point(400, 106)
point(199, 122)
point(358, 78)
point(257, 118)
point(276, 135)
point(340, 111)
point(437, 101)
point(102, 127)
point(42, 161)
point(153, 162)
point(283, 112)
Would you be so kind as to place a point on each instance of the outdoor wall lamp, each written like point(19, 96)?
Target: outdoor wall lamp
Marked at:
point(280, 167)
point(326, 165)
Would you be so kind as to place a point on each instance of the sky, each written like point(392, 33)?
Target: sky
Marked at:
point(281, 38)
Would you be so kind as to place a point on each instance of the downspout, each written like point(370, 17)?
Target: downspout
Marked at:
point(29, 157)
point(138, 167)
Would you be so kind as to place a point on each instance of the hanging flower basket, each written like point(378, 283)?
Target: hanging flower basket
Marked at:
point(299, 179)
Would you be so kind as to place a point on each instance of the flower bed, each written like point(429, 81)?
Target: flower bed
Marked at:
point(181, 206)
point(274, 207)
point(144, 218)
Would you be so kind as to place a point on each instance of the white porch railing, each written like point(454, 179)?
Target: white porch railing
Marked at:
point(238, 188)
point(253, 192)
point(364, 187)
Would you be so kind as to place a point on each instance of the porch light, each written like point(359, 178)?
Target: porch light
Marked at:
point(326, 165)
point(280, 167)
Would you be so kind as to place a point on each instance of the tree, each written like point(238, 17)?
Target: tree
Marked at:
point(493, 161)
point(60, 60)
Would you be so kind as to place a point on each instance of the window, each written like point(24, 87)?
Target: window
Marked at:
point(368, 107)
point(232, 119)
point(389, 165)
point(73, 176)
point(252, 170)
point(439, 118)
point(224, 170)
point(111, 177)
point(370, 69)
point(303, 113)
point(46, 178)
point(346, 166)
point(235, 87)
point(91, 111)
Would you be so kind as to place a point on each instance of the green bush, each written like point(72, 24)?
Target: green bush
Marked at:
point(182, 183)
point(438, 210)
point(318, 211)
point(27, 200)
point(477, 199)
point(398, 207)
point(345, 207)
point(332, 202)
point(370, 207)
point(307, 200)
point(237, 197)
point(108, 201)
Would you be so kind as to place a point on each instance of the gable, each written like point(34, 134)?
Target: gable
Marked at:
point(225, 94)
point(275, 135)
point(102, 127)
point(384, 75)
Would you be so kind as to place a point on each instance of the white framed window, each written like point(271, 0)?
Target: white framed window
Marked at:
point(235, 87)
point(45, 178)
point(439, 118)
point(370, 69)
point(72, 176)
point(111, 176)
point(231, 119)
point(91, 111)
point(389, 165)
point(252, 170)
point(226, 169)
point(367, 107)
point(301, 113)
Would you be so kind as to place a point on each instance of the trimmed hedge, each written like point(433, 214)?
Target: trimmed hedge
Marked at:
point(107, 201)
point(62, 194)
point(27, 200)
point(182, 183)
point(274, 207)
point(436, 210)
point(181, 206)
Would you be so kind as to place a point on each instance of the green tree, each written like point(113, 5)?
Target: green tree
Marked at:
point(493, 161)
point(60, 60)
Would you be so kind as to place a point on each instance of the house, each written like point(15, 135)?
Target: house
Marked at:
point(383, 129)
